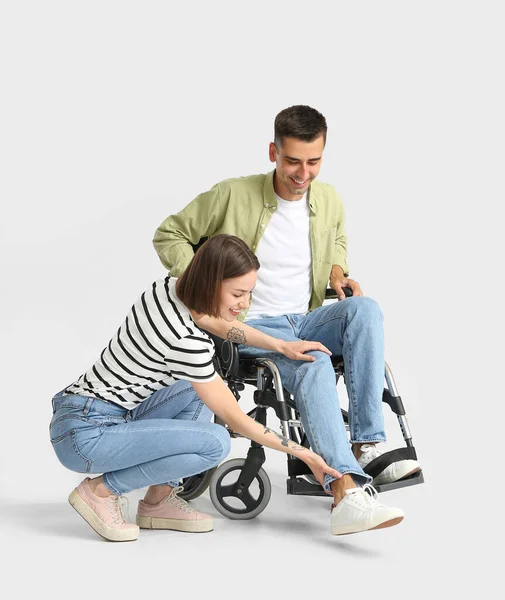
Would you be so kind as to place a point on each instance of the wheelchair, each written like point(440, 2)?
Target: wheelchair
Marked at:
point(240, 488)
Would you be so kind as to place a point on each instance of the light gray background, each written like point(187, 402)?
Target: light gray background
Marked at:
point(116, 114)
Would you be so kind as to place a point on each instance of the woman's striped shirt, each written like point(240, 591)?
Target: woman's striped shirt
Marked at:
point(157, 345)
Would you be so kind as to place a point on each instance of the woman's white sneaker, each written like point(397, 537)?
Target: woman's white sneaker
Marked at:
point(359, 510)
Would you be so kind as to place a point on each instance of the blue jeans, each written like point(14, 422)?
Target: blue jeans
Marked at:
point(167, 437)
point(352, 328)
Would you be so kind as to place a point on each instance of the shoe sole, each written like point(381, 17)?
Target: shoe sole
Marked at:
point(389, 523)
point(94, 521)
point(175, 524)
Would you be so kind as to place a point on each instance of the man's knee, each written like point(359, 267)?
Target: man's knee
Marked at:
point(319, 367)
point(364, 308)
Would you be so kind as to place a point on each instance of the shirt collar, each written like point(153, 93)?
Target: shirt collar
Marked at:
point(269, 198)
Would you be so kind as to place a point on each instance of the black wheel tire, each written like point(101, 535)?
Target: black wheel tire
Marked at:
point(226, 509)
point(195, 485)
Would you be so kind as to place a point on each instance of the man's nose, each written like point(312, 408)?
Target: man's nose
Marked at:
point(303, 173)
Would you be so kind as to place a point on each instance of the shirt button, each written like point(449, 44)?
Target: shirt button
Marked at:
point(267, 205)
point(263, 224)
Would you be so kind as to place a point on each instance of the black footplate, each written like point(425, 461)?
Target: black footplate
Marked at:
point(299, 486)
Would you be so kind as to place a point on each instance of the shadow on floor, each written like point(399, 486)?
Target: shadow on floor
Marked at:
point(57, 519)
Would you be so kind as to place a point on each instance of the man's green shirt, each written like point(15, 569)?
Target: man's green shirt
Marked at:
point(243, 207)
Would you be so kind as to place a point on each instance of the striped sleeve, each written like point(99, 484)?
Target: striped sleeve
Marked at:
point(192, 360)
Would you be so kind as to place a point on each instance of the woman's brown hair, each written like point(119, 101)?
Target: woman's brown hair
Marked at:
point(220, 257)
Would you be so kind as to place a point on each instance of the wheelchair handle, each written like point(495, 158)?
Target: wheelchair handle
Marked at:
point(331, 294)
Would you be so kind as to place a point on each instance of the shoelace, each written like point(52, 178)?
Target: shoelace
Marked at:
point(116, 506)
point(177, 502)
point(370, 495)
point(371, 450)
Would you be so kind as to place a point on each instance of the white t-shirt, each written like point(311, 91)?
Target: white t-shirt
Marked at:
point(157, 344)
point(283, 285)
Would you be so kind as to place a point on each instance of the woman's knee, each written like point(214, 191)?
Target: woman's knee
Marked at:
point(221, 443)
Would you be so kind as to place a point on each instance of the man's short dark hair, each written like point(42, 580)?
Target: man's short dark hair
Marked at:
point(300, 122)
point(220, 257)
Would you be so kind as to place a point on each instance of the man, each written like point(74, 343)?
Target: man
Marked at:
point(295, 226)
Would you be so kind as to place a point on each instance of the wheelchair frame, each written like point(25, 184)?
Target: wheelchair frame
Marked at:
point(270, 394)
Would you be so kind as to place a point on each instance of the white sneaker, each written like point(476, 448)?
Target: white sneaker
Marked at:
point(360, 510)
point(394, 471)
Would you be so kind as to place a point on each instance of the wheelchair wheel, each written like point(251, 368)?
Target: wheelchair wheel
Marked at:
point(195, 485)
point(235, 503)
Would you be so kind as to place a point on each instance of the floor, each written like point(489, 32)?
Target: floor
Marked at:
point(285, 551)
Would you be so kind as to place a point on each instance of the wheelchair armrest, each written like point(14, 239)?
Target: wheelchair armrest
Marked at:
point(331, 294)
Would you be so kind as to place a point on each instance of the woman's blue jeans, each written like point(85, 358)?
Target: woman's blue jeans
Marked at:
point(352, 328)
point(167, 437)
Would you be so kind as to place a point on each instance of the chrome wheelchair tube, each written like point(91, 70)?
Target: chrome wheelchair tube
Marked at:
point(260, 374)
point(265, 362)
point(390, 381)
point(402, 419)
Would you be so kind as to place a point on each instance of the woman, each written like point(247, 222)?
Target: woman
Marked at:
point(141, 414)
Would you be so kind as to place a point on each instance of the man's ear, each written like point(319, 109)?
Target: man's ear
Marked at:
point(272, 152)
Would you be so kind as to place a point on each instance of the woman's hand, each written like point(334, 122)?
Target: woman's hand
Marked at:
point(318, 466)
point(296, 350)
point(218, 397)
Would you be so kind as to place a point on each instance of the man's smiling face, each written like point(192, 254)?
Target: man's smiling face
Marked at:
point(297, 163)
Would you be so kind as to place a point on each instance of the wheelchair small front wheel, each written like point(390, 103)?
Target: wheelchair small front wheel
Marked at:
point(234, 502)
point(195, 485)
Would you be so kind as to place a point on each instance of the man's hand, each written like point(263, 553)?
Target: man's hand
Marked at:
point(296, 350)
point(338, 283)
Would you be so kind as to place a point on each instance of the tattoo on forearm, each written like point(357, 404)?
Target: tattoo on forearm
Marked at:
point(236, 335)
point(284, 441)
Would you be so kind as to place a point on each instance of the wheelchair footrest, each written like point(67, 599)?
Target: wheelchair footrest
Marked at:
point(297, 486)
point(297, 467)
point(376, 466)
point(412, 480)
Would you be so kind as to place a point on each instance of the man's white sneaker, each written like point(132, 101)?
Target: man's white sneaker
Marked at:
point(359, 510)
point(393, 472)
